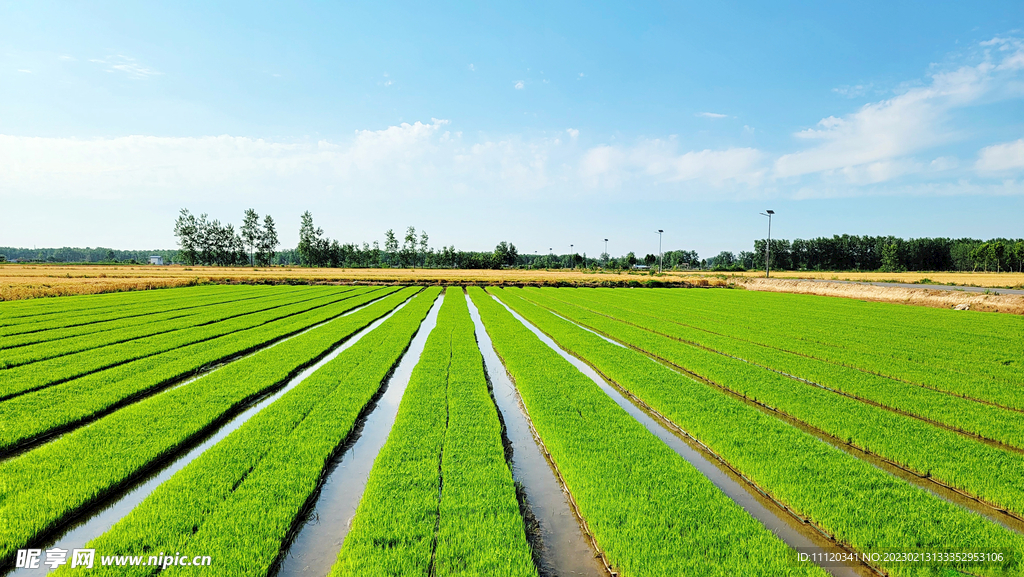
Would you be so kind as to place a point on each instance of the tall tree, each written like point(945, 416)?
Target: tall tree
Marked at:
point(424, 247)
point(186, 229)
point(250, 232)
point(268, 242)
point(311, 244)
point(391, 246)
point(890, 258)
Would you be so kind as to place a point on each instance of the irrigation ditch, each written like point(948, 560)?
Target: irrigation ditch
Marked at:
point(96, 518)
point(316, 540)
point(560, 543)
point(207, 339)
point(793, 529)
point(173, 383)
point(996, 513)
point(969, 434)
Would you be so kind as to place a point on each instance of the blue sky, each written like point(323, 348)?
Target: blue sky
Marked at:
point(544, 124)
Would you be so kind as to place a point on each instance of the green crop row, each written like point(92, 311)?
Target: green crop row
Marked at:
point(966, 464)
point(31, 310)
point(860, 505)
point(157, 326)
point(57, 370)
point(905, 343)
point(60, 318)
point(440, 499)
point(158, 311)
point(651, 511)
point(61, 406)
point(960, 414)
point(251, 485)
point(40, 489)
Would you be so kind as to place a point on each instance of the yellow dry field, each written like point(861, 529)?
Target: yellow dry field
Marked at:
point(39, 280)
point(979, 279)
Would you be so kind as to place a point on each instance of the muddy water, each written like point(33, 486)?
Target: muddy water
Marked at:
point(559, 544)
point(778, 521)
point(112, 510)
point(317, 543)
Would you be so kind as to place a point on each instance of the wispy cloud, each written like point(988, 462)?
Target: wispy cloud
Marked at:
point(852, 91)
point(519, 85)
point(24, 71)
point(126, 65)
point(711, 115)
point(886, 133)
point(66, 58)
point(472, 68)
point(659, 161)
point(1001, 157)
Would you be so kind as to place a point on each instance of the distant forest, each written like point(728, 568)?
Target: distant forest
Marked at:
point(206, 242)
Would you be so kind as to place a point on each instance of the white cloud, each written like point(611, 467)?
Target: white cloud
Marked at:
point(472, 68)
point(1001, 157)
point(24, 71)
point(882, 133)
point(852, 91)
point(65, 57)
point(519, 85)
point(943, 163)
point(660, 162)
point(418, 160)
point(580, 76)
point(126, 65)
point(711, 115)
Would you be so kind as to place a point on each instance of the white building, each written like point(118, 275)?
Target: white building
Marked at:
point(156, 259)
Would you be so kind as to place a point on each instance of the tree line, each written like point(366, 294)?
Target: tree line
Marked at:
point(208, 242)
point(888, 254)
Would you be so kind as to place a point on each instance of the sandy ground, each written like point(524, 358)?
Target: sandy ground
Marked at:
point(1004, 303)
point(980, 279)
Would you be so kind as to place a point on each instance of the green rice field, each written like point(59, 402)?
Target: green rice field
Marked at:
point(430, 431)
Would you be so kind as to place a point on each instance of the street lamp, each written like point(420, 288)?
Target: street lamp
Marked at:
point(660, 258)
point(768, 245)
point(572, 259)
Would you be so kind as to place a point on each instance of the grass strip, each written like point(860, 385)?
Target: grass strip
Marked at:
point(158, 325)
point(177, 307)
point(38, 490)
point(60, 315)
point(879, 338)
point(651, 511)
point(847, 497)
point(19, 380)
point(22, 310)
point(440, 499)
point(290, 442)
point(977, 469)
point(974, 418)
point(61, 406)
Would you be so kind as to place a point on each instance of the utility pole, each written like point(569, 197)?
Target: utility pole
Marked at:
point(572, 257)
point(768, 245)
point(661, 259)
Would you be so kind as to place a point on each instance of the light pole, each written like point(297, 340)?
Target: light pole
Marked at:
point(572, 258)
point(768, 245)
point(606, 255)
point(660, 259)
